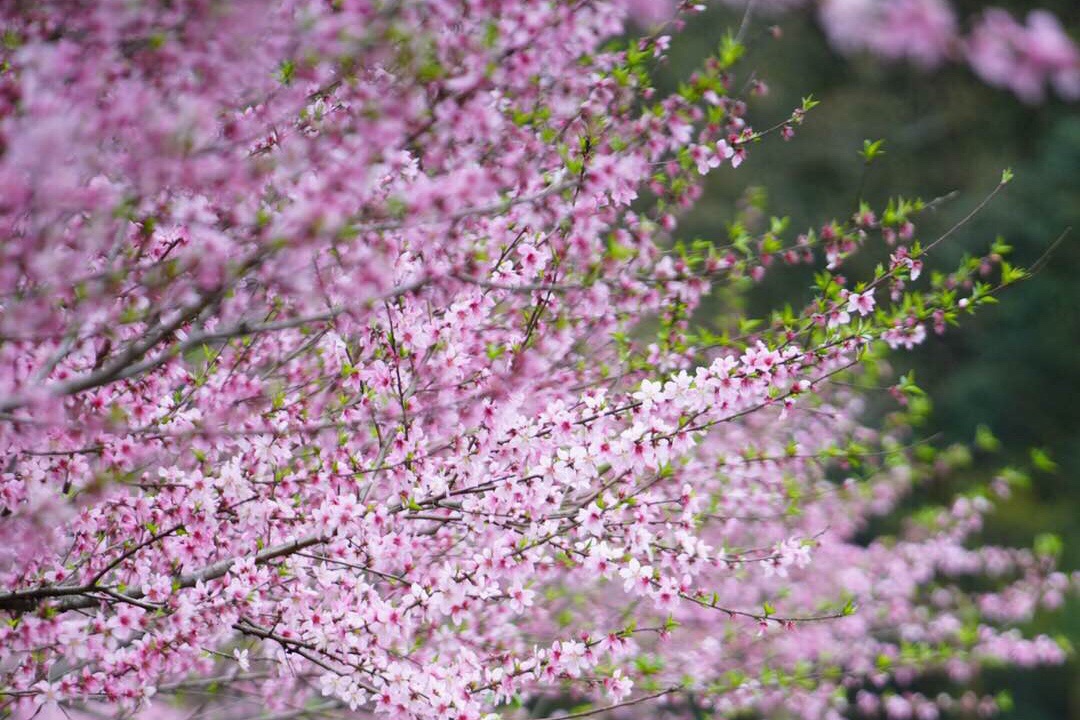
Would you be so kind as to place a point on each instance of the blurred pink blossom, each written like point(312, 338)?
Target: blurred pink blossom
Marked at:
point(922, 31)
point(1023, 58)
point(650, 12)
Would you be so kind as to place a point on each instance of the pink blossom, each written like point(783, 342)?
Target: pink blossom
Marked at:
point(1025, 58)
point(922, 31)
point(863, 302)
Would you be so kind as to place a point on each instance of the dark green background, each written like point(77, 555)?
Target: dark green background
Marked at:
point(1014, 367)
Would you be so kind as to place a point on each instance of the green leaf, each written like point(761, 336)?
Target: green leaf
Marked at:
point(1042, 460)
point(286, 71)
point(985, 439)
point(730, 51)
point(872, 149)
point(1049, 545)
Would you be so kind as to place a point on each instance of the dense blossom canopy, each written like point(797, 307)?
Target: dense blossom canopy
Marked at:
point(347, 366)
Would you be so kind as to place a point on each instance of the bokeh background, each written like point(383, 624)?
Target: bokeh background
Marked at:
point(1015, 367)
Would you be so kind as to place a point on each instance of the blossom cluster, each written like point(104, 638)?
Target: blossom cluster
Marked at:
point(347, 366)
point(1023, 57)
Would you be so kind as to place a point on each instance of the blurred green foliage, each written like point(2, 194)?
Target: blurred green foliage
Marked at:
point(1013, 369)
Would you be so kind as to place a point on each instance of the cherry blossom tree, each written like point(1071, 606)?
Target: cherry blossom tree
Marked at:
point(349, 366)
